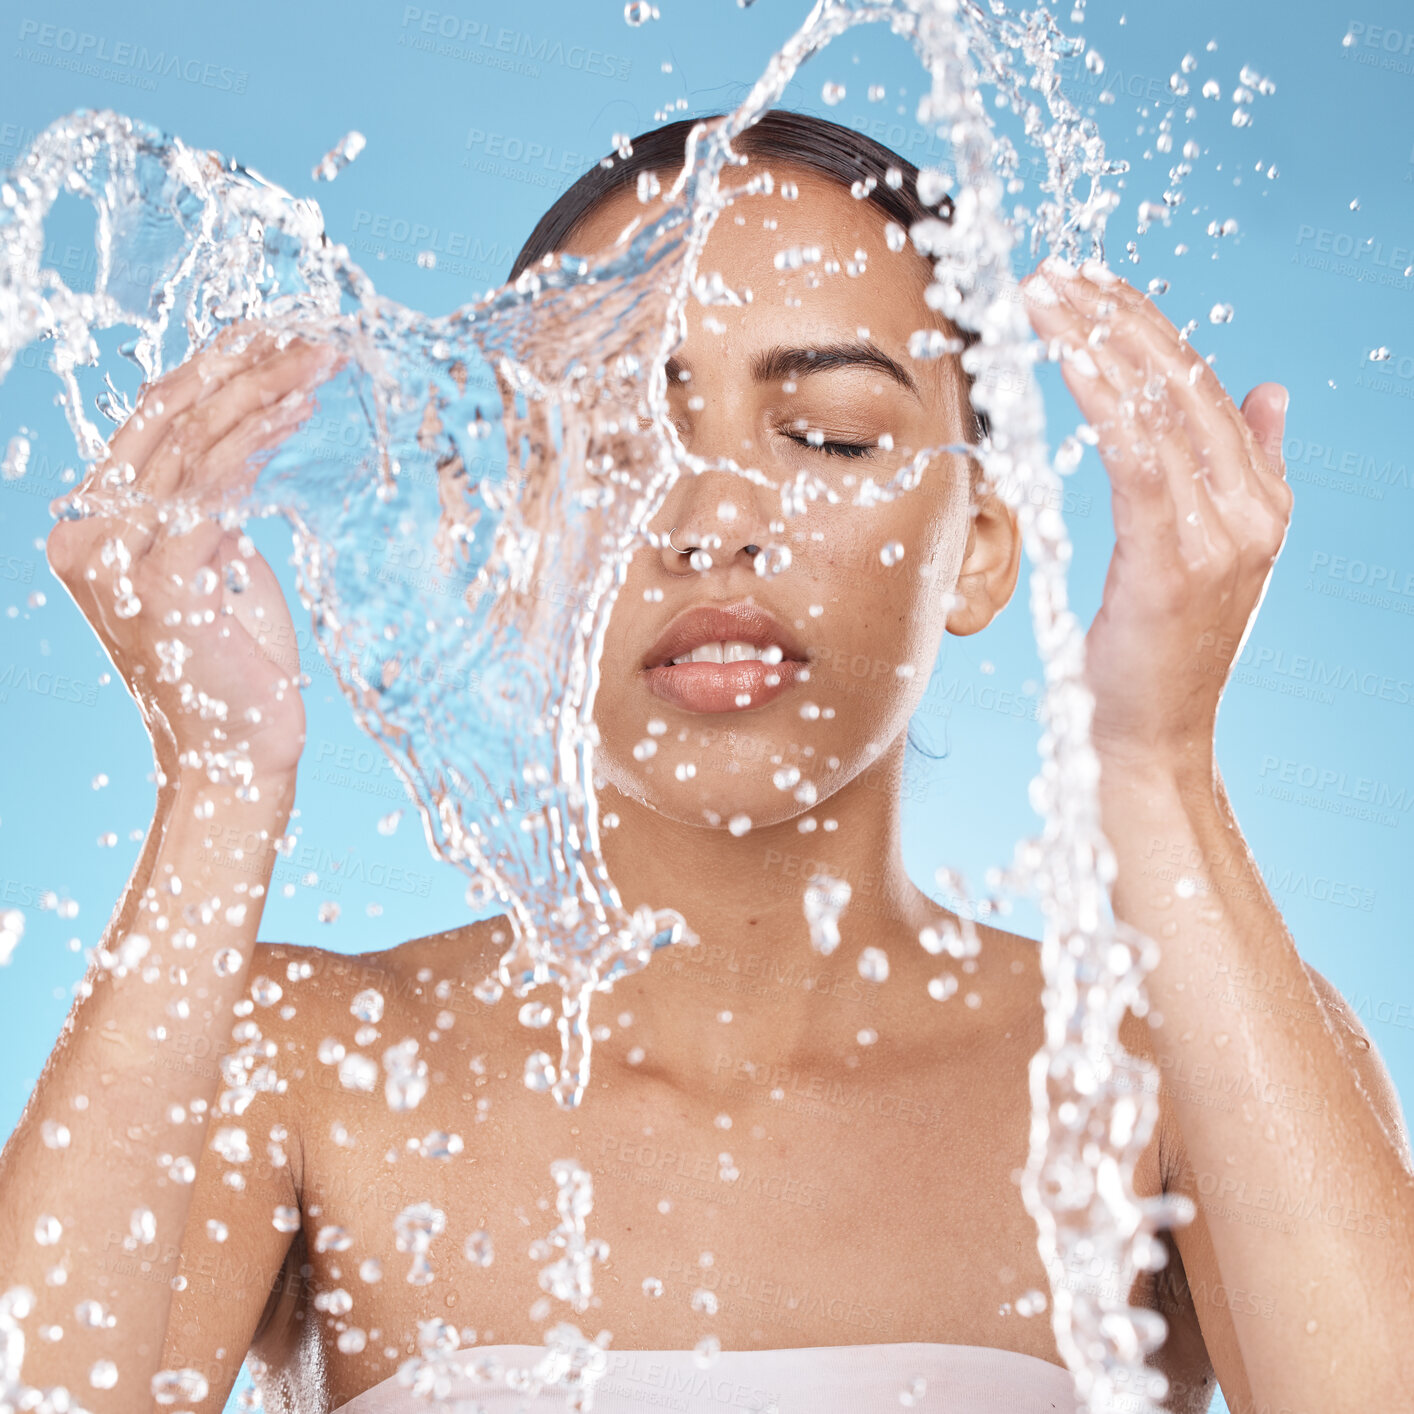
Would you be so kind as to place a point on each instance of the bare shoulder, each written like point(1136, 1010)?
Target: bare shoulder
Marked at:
point(316, 1008)
point(439, 971)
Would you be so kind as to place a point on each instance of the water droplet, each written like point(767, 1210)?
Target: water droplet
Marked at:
point(539, 1072)
point(932, 343)
point(940, 988)
point(406, 1076)
point(358, 1072)
point(438, 1144)
point(479, 1249)
point(892, 553)
point(231, 1144)
point(825, 898)
point(338, 157)
point(639, 12)
point(832, 93)
point(874, 964)
point(171, 1386)
point(652, 1286)
point(913, 1392)
point(368, 1006)
point(414, 1228)
point(536, 1015)
point(1220, 314)
point(15, 462)
point(336, 1301)
point(103, 1374)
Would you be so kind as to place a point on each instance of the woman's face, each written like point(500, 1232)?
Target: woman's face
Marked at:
point(859, 612)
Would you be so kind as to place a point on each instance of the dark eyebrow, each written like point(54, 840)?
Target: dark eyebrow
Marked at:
point(776, 365)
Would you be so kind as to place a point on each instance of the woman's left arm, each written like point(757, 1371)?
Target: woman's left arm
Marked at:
point(1304, 1184)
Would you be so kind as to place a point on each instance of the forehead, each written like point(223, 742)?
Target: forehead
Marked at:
point(801, 254)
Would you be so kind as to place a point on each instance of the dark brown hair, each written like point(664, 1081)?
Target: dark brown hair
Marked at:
point(797, 139)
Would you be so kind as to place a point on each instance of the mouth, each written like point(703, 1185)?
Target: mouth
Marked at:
point(724, 658)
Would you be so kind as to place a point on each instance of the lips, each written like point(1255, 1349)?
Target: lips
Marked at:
point(731, 632)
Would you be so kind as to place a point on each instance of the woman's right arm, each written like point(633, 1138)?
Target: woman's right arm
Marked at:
point(96, 1181)
point(120, 1085)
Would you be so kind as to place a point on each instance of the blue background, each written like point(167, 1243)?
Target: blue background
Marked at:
point(465, 151)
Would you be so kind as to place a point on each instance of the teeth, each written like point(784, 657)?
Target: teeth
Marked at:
point(732, 651)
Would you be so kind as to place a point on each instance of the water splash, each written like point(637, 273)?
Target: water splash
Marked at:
point(444, 408)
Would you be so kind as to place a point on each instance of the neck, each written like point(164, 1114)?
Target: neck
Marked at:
point(743, 898)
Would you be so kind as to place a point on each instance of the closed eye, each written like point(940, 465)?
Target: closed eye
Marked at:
point(833, 449)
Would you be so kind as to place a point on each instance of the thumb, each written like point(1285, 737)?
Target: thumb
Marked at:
point(1264, 410)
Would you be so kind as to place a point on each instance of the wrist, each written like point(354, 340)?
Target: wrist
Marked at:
point(257, 811)
point(1128, 769)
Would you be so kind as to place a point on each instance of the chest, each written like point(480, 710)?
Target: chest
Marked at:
point(802, 1207)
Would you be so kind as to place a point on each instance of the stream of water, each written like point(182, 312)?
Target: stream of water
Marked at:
point(189, 244)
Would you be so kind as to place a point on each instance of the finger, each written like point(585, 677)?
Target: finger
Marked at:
point(1224, 441)
point(1164, 514)
point(1239, 471)
point(1151, 478)
point(1139, 435)
point(1160, 363)
point(227, 467)
point(238, 351)
point(1264, 411)
point(107, 547)
point(180, 458)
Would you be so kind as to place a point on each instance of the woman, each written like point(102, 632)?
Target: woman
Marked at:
point(812, 1167)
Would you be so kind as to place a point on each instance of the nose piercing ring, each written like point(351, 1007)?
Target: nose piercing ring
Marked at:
point(752, 550)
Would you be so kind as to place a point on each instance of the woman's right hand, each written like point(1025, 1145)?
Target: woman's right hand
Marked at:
point(199, 631)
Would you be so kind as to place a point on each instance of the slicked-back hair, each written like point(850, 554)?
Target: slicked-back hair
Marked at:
point(794, 139)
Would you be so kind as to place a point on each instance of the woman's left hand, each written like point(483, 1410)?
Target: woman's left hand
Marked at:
point(1200, 503)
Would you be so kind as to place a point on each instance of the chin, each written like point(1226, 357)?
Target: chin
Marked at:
point(710, 799)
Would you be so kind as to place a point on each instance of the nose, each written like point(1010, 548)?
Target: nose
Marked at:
point(711, 519)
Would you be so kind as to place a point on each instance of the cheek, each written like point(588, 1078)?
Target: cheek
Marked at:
point(883, 559)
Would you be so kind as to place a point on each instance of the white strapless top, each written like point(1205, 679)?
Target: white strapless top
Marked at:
point(831, 1379)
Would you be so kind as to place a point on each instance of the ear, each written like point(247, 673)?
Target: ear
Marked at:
point(990, 565)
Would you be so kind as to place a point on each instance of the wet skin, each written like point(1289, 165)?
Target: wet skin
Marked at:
point(904, 1148)
point(865, 1118)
